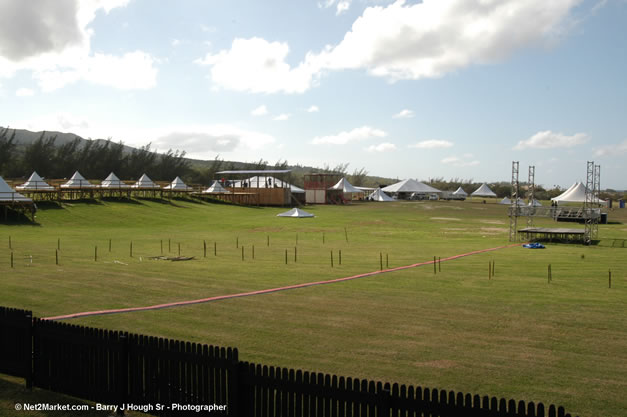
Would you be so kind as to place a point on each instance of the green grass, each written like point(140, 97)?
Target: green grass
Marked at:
point(514, 336)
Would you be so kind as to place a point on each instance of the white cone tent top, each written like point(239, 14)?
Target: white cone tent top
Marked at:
point(410, 186)
point(535, 203)
point(346, 187)
point(216, 188)
point(267, 182)
point(379, 195)
point(35, 182)
point(505, 200)
point(144, 182)
point(9, 194)
point(460, 191)
point(296, 213)
point(77, 181)
point(177, 185)
point(575, 194)
point(483, 191)
point(112, 181)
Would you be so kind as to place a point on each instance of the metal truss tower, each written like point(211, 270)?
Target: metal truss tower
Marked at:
point(513, 216)
point(531, 194)
point(588, 204)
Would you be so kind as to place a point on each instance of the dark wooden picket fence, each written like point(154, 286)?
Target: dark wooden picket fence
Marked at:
point(116, 368)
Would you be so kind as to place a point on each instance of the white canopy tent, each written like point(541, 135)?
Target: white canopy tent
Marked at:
point(379, 195)
point(410, 186)
point(575, 194)
point(77, 181)
point(177, 185)
point(535, 203)
point(144, 182)
point(112, 181)
point(460, 192)
point(483, 191)
point(295, 213)
point(35, 182)
point(8, 194)
point(505, 200)
point(216, 188)
point(346, 187)
point(266, 182)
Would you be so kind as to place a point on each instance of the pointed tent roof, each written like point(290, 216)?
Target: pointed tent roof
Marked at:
point(483, 191)
point(460, 191)
point(177, 185)
point(410, 186)
point(112, 181)
point(77, 181)
point(575, 194)
point(379, 195)
point(346, 187)
point(505, 200)
point(144, 182)
point(35, 182)
point(216, 188)
point(267, 182)
point(9, 194)
point(535, 203)
point(296, 213)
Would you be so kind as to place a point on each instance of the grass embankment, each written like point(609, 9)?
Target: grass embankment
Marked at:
point(513, 336)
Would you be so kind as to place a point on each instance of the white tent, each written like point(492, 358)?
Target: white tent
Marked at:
point(505, 200)
point(410, 186)
point(535, 203)
point(483, 191)
point(112, 181)
point(266, 182)
point(35, 182)
point(216, 188)
point(296, 213)
point(575, 194)
point(345, 187)
point(144, 182)
point(177, 185)
point(379, 195)
point(9, 194)
point(460, 192)
point(77, 181)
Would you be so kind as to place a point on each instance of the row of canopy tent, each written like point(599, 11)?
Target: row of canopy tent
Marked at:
point(8, 194)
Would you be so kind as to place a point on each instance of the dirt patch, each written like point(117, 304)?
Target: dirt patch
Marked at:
point(439, 364)
point(454, 219)
point(455, 229)
point(492, 221)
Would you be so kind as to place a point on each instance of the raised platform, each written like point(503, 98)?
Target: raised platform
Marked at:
point(553, 233)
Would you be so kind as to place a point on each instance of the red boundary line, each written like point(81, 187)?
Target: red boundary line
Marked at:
point(266, 291)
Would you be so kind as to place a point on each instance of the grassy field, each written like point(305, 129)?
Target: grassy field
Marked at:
point(514, 336)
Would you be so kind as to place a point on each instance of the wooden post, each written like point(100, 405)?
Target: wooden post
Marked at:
point(169, 245)
point(323, 238)
point(204, 248)
point(549, 278)
point(268, 240)
point(131, 249)
point(237, 242)
point(95, 253)
point(11, 259)
point(253, 251)
point(609, 278)
point(387, 259)
point(295, 253)
point(346, 234)
point(59, 243)
point(109, 245)
point(296, 239)
point(493, 262)
point(331, 255)
point(56, 257)
point(434, 266)
point(285, 256)
point(381, 261)
point(215, 248)
point(340, 256)
point(439, 264)
point(179, 248)
point(489, 270)
point(10, 245)
point(162, 246)
point(242, 253)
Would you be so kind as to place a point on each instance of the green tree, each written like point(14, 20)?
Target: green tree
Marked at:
point(7, 151)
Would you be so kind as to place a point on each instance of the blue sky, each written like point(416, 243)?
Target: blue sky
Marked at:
point(453, 89)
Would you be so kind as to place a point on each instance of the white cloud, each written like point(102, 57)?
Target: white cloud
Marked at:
point(432, 144)
point(53, 41)
point(260, 111)
point(609, 150)
point(549, 140)
point(465, 160)
point(313, 109)
point(382, 147)
point(175, 42)
point(399, 41)
point(25, 92)
point(282, 117)
point(357, 134)
point(404, 114)
point(340, 5)
point(258, 66)
point(214, 138)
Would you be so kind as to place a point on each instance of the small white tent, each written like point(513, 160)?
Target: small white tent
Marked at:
point(535, 203)
point(379, 195)
point(9, 194)
point(216, 188)
point(483, 191)
point(112, 181)
point(460, 192)
point(345, 187)
point(177, 185)
point(145, 182)
point(77, 181)
point(505, 200)
point(296, 213)
point(35, 182)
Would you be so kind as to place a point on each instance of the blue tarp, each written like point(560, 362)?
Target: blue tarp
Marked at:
point(533, 246)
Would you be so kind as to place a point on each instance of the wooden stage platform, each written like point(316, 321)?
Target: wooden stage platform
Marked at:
point(553, 233)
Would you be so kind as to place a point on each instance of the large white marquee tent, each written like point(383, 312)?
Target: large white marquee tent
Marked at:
point(410, 186)
point(483, 191)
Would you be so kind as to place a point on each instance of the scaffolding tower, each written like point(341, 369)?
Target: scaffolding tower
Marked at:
point(513, 217)
point(531, 194)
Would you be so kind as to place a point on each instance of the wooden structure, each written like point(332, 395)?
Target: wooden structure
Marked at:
point(551, 233)
point(317, 189)
point(262, 193)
